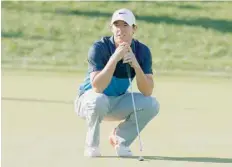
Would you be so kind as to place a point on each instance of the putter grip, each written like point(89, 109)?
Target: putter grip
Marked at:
point(128, 70)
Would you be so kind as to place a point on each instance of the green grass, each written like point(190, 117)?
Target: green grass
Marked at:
point(192, 129)
point(183, 36)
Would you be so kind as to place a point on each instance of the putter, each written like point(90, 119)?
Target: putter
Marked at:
point(134, 108)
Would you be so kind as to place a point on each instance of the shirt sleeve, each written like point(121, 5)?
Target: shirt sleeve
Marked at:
point(95, 58)
point(147, 61)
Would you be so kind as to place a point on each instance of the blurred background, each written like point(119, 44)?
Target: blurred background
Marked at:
point(56, 36)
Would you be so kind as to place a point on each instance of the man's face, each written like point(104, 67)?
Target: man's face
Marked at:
point(122, 32)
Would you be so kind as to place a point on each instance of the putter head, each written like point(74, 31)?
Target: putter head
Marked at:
point(141, 158)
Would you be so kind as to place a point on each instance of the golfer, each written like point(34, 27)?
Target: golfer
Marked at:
point(103, 95)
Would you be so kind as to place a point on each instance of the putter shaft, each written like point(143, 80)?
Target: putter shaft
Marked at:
point(134, 108)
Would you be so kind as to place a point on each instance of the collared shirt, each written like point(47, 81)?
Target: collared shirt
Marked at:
point(100, 53)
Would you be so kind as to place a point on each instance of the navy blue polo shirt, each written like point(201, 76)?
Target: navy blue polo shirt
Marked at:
point(100, 53)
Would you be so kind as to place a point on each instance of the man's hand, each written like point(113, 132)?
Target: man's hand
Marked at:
point(130, 59)
point(121, 51)
point(145, 82)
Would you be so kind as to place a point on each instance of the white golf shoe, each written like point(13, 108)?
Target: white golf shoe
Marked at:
point(92, 152)
point(121, 150)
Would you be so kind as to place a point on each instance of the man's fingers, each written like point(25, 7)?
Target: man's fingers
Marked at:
point(129, 55)
point(127, 59)
point(129, 62)
point(125, 45)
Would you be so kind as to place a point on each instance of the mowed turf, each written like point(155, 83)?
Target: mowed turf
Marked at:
point(40, 128)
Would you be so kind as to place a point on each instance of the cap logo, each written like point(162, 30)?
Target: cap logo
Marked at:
point(121, 13)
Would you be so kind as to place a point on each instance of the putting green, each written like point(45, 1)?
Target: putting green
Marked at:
point(40, 128)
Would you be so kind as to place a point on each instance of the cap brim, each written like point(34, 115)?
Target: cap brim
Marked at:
point(121, 19)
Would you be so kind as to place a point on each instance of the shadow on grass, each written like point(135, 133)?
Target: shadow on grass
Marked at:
point(187, 6)
point(19, 34)
point(189, 159)
point(15, 34)
point(36, 100)
point(180, 5)
point(208, 23)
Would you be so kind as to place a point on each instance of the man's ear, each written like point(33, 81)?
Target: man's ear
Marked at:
point(135, 27)
point(110, 28)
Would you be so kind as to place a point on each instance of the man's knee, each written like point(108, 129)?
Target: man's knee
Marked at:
point(101, 103)
point(151, 106)
point(155, 106)
point(91, 103)
point(98, 104)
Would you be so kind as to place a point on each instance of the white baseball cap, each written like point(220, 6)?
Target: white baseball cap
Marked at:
point(124, 15)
